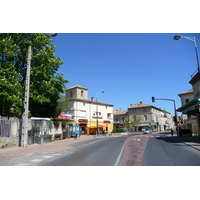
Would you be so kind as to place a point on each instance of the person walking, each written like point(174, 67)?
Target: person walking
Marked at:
point(172, 132)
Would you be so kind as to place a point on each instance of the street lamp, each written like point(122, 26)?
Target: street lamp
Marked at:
point(26, 98)
point(177, 37)
point(97, 112)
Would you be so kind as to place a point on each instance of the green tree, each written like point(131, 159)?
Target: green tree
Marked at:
point(136, 121)
point(46, 84)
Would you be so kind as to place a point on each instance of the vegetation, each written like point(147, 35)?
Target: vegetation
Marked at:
point(46, 84)
point(136, 120)
point(119, 130)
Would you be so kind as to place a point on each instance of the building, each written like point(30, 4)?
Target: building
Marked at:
point(189, 121)
point(150, 116)
point(88, 113)
point(119, 118)
point(193, 106)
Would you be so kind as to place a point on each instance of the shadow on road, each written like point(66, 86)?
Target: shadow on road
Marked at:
point(175, 139)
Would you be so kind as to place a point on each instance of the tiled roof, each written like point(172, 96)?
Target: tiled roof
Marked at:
point(90, 101)
point(119, 112)
point(188, 92)
point(139, 105)
point(77, 86)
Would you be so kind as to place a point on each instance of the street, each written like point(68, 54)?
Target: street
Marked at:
point(136, 149)
point(164, 150)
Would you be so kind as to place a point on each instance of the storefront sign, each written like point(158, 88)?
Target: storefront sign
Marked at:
point(192, 118)
point(106, 122)
point(82, 120)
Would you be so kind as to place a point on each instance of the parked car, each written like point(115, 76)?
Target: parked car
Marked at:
point(147, 130)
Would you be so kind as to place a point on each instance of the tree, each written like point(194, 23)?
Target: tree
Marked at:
point(46, 84)
point(136, 121)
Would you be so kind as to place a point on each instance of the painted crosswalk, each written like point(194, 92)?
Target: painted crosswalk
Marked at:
point(40, 159)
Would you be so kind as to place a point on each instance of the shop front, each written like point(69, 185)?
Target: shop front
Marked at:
point(192, 108)
point(83, 126)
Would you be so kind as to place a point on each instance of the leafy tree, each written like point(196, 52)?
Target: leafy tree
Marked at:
point(46, 84)
point(136, 121)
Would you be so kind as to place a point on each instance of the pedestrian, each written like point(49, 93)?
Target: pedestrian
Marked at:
point(172, 132)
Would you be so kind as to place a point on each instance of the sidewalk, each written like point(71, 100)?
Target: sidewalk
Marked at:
point(190, 141)
point(54, 146)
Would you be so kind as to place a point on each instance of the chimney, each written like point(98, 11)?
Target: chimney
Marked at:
point(140, 102)
point(131, 105)
point(92, 98)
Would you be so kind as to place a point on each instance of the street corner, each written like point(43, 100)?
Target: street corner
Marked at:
point(133, 151)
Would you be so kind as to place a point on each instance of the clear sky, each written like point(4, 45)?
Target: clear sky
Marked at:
point(129, 67)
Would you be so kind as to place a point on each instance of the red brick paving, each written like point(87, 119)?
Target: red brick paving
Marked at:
point(134, 150)
point(60, 145)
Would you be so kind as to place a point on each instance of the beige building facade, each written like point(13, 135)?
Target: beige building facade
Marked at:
point(150, 116)
point(88, 113)
point(189, 121)
point(193, 106)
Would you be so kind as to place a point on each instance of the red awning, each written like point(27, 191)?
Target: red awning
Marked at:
point(63, 116)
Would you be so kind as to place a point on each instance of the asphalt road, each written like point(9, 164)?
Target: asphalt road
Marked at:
point(164, 150)
point(135, 149)
point(97, 152)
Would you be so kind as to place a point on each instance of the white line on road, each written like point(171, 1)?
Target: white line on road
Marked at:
point(120, 154)
point(47, 156)
point(37, 160)
point(136, 139)
point(22, 164)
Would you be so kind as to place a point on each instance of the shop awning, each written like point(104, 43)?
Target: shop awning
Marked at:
point(191, 108)
point(94, 126)
point(63, 116)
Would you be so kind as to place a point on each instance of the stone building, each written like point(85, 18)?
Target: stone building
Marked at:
point(150, 116)
point(188, 121)
point(193, 106)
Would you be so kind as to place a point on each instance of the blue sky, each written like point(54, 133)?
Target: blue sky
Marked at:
point(129, 67)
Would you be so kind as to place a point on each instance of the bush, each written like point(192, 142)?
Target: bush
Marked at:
point(119, 130)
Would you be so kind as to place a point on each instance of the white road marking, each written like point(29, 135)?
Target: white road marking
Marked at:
point(37, 160)
point(120, 154)
point(22, 164)
point(136, 139)
point(47, 156)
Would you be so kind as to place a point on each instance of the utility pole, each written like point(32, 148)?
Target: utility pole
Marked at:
point(26, 101)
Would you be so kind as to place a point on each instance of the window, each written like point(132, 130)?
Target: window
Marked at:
point(83, 103)
point(109, 115)
point(145, 117)
point(70, 93)
point(97, 113)
point(144, 110)
point(186, 100)
point(82, 92)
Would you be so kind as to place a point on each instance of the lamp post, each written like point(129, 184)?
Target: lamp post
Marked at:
point(177, 37)
point(97, 114)
point(26, 98)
